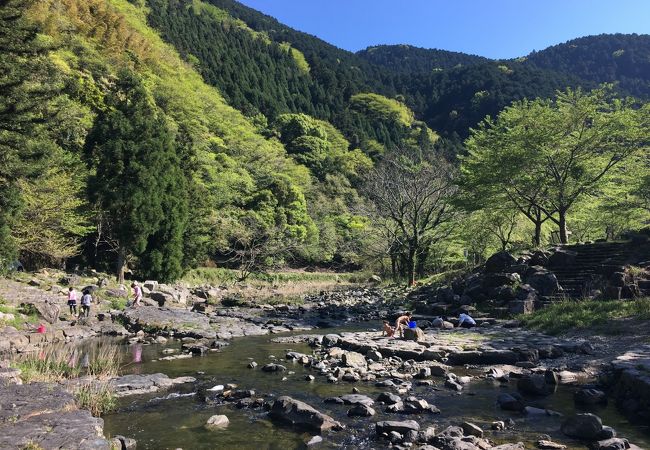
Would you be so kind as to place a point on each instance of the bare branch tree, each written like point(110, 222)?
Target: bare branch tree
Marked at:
point(413, 194)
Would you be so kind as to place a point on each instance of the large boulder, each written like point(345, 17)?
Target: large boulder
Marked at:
point(499, 262)
point(161, 298)
point(493, 280)
point(414, 334)
point(583, 426)
point(562, 258)
point(521, 307)
point(539, 258)
point(354, 360)
point(533, 385)
point(48, 311)
point(510, 402)
point(302, 415)
point(544, 282)
point(137, 384)
point(180, 321)
point(590, 397)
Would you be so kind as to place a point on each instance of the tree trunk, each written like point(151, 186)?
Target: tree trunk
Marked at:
point(537, 238)
point(410, 269)
point(121, 265)
point(393, 266)
point(564, 239)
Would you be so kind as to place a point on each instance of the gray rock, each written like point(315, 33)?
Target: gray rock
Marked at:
point(388, 398)
point(590, 397)
point(354, 360)
point(217, 422)
point(330, 340)
point(45, 415)
point(611, 444)
point(361, 411)
point(510, 402)
point(180, 321)
point(499, 262)
point(562, 258)
point(357, 399)
point(401, 427)
point(532, 411)
point(273, 367)
point(546, 444)
point(300, 414)
point(533, 385)
point(414, 334)
point(47, 310)
point(583, 426)
point(162, 298)
point(471, 429)
point(544, 282)
point(453, 385)
point(126, 443)
point(143, 384)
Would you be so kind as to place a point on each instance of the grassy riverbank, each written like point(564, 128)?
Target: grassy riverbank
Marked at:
point(610, 317)
point(217, 276)
point(65, 363)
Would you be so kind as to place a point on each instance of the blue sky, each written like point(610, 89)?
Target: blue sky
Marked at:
point(492, 28)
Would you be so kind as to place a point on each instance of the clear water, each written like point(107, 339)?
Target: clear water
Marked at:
point(174, 419)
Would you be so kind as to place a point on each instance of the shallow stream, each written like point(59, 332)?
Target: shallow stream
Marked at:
point(175, 419)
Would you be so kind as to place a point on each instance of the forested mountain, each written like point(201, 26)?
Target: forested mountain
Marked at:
point(156, 135)
point(223, 36)
point(410, 59)
point(622, 58)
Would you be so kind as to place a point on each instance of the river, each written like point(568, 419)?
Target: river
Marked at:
point(175, 419)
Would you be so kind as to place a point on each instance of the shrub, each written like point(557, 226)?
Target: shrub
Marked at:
point(97, 397)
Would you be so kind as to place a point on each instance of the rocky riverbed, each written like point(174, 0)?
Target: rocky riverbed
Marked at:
point(352, 389)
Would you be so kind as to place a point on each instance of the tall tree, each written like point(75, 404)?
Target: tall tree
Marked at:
point(138, 185)
point(415, 194)
point(549, 155)
point(27, 86)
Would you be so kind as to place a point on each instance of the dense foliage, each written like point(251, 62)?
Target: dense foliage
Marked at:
point(410, 59)
point(624, 58)
point(29, 89)
point(234, 140)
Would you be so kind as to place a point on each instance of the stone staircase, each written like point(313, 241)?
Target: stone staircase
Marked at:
point(592, 262)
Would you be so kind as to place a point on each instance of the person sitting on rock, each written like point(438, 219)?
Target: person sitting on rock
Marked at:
point(86, 300)
point(465, 320)
point(388, 330)
point(403, 322)
point(72, 301)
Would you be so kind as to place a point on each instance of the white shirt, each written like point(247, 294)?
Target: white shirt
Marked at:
point(466, 318)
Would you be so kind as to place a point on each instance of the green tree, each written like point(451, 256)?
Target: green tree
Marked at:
point(52, 220)
point(139, 186)
point(547, 156)
point(28, 84)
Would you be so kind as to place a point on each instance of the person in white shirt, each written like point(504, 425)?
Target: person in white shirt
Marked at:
point(137, 294)
point(72, 301)
point(465, 320)
point(86, 300)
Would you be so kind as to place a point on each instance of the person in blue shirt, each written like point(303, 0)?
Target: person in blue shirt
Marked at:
point(465, 320)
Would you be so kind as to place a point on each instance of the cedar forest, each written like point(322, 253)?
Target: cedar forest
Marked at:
point(160, 135)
